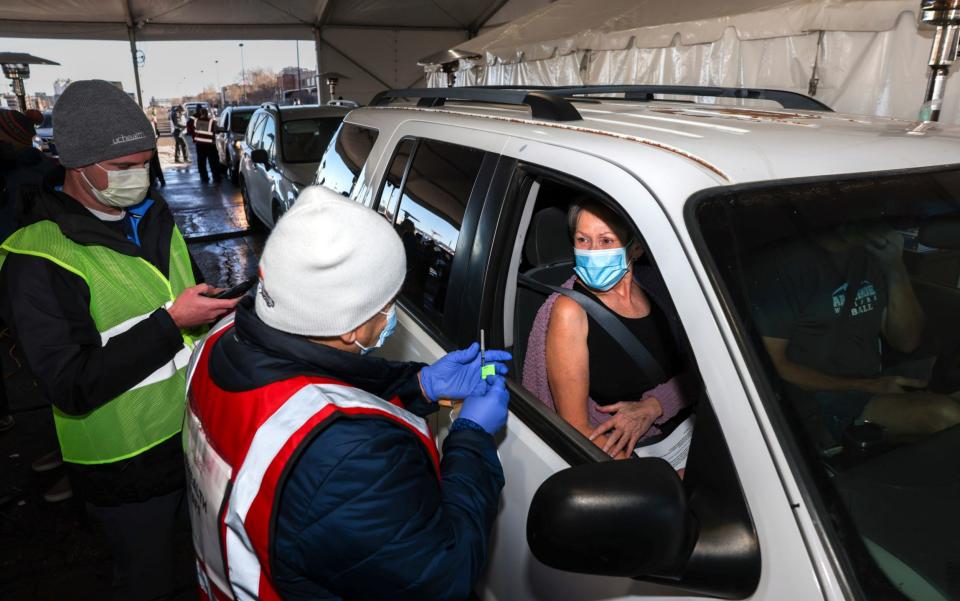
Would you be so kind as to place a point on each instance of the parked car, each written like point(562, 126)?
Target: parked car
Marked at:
point(45, 134)
point(193, 107)
point(231, 129)
point(477, 182)
point(280, 153)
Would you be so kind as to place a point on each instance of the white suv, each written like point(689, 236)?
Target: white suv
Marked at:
point(279, 156)
point(477, 181)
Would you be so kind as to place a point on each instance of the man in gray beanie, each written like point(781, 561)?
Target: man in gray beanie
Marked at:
point(312, 473)
point(99, 286)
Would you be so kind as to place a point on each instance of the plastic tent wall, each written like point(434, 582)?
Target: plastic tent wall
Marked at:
point(880, 71)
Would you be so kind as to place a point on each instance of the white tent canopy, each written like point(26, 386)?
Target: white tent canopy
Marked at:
point(376, 43)
point(868, 56)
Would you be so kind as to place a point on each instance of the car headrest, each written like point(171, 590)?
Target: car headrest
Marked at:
point(548, 241)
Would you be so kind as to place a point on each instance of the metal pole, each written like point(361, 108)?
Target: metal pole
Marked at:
point(216, 67)
point(243, 74)
point(945, 15)
point(136, 68)
point(317, 46)
point(299, 85)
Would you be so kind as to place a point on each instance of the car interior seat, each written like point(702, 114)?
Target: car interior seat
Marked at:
point(549, 254)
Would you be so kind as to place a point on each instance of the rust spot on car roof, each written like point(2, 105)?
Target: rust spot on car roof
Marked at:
point(567, 126)
point(746, 114)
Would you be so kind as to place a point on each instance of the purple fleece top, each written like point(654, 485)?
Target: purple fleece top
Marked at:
point(669, 394)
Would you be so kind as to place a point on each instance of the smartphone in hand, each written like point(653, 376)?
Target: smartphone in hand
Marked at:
point(238, 290)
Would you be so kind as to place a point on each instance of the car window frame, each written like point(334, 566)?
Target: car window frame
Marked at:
point(447, 333)
point(549, 427)
point(253, 140)
point(269, 118)
point(359, 180)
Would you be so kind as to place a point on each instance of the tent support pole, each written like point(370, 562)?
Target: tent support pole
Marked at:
point(317, 46)
point(133, 58)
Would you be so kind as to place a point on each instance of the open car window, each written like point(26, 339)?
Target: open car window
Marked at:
point(846, 293)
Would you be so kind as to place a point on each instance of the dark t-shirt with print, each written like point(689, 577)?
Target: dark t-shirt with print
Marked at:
point(798, 292)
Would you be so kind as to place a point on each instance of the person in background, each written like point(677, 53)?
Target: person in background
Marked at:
point(287, 407)
point(99, 290)
point(204, 130)
point(22, 168)
point(178, 127)
point(824, 339)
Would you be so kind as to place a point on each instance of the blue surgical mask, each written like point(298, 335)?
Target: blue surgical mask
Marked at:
point(601, 269)
point(391, 314)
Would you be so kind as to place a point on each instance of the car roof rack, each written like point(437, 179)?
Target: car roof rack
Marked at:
point(543, 103)
point(645, 93)
point(552, 103)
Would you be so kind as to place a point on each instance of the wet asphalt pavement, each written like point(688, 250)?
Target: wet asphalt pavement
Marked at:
point(52, 551)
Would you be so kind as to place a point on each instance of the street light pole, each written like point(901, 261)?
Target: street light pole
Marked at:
point(243, 74)
point(216, 67)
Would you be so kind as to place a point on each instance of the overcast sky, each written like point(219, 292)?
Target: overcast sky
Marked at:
point(172, 68)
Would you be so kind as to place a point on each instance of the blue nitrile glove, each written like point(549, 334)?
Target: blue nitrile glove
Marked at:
point(456, 375)
point(488, 410)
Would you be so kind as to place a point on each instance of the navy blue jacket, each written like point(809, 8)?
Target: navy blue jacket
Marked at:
point(361, 514)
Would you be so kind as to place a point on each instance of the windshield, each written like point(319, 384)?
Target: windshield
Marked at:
point(47, 121)
point(304, 140)
point(239, 121)
point(846, 293)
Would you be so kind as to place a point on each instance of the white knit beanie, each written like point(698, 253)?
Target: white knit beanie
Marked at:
point(329, 265)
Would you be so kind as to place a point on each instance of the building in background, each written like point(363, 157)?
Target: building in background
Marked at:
point(293, 91)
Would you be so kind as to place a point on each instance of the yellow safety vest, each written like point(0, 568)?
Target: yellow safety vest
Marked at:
point(124, 290)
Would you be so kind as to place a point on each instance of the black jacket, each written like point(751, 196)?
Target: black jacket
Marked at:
point(48, 308)
point(361, 513)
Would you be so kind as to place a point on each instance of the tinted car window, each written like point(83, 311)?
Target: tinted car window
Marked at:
point(269, 137)
point(305, 140)
point(429, 217)
point(847, 292)
point(239, 121)
point(254, 132)
point(390, 194)
point(345, 157)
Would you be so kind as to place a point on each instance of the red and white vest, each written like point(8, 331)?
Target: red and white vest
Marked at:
point(203, 131)
point(236, 446)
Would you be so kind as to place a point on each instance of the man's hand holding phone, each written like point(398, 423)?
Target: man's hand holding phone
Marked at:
point(195, 307)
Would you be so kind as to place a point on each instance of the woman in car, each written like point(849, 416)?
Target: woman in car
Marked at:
point(573, 366)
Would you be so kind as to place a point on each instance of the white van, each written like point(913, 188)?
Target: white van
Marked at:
point(776, 502)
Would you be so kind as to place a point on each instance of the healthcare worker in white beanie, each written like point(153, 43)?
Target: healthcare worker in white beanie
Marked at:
point(312, 473)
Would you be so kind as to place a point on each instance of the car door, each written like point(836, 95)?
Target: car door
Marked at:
point(250, 143)
point(221, 138)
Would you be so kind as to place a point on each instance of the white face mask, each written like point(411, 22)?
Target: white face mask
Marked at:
point(125, 187)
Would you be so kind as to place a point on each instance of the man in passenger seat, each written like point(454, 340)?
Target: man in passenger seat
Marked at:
point(825, 341)
point(575, 368)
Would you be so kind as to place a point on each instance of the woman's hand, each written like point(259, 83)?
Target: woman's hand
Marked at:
point(630, 421)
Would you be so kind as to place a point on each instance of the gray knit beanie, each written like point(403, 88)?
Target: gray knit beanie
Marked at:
point(329, 265)
point(95, 121)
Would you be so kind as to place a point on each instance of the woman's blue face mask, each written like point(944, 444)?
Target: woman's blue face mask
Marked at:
point(391, 314)
point(601, 269)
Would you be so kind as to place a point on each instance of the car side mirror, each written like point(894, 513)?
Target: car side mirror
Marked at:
point(260, 156)
point(617, 518)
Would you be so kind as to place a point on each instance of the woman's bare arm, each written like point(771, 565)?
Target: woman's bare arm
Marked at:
point(568, 365)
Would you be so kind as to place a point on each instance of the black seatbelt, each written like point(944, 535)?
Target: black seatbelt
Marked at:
point(639, 353)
